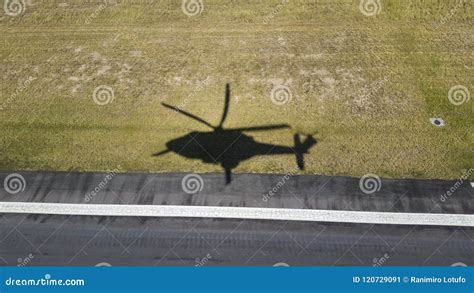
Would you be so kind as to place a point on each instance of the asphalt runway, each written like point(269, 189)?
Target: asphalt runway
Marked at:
point(33, 239)
point(119, 241)
point(246, 190)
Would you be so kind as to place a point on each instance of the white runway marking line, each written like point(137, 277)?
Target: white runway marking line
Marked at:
point(239, 213)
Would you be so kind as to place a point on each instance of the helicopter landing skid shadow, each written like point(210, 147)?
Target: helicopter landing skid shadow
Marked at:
point(230, 146)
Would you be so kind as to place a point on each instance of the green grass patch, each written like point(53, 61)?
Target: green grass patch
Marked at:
point(365, 86)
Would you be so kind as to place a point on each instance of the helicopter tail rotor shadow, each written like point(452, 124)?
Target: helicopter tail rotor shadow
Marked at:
point(302, 148)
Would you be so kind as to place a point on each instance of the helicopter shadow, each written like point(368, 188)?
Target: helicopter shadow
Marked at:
point(230, 146)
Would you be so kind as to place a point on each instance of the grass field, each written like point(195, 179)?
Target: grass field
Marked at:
point(365, 86)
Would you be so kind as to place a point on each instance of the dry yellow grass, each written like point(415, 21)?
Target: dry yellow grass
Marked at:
point(366, 86)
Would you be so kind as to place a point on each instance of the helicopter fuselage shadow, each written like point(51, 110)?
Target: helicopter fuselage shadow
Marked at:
point(229, 147)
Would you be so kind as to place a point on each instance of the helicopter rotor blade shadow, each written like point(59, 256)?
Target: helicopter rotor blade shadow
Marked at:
point(188, 115)
point(226, 105)
point(161, 153)
point(261, 128)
